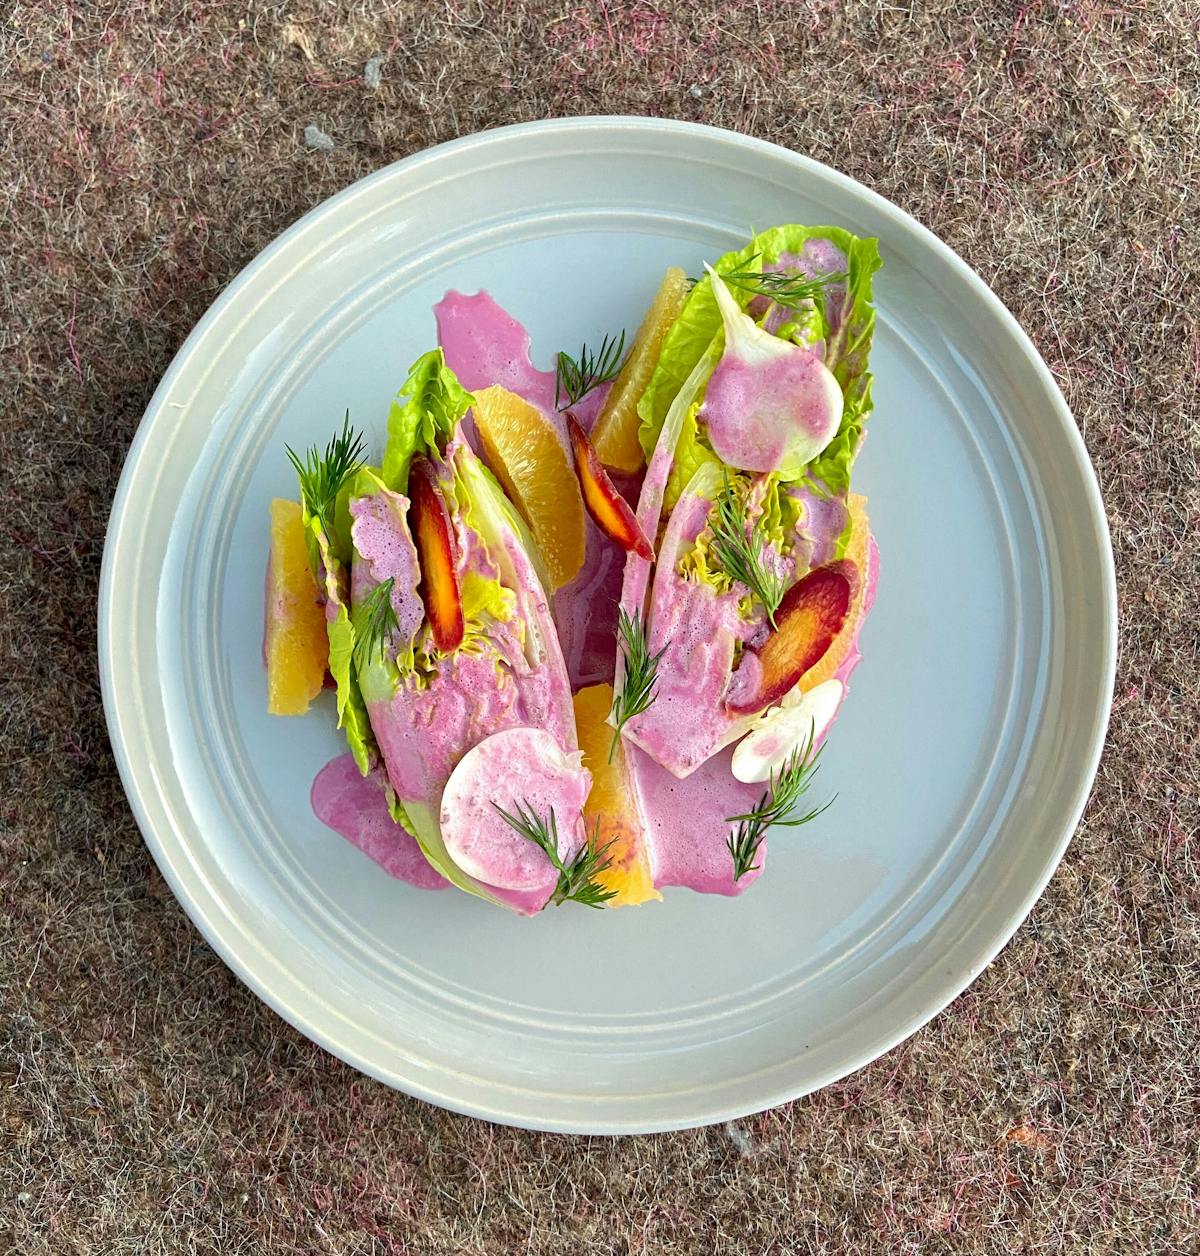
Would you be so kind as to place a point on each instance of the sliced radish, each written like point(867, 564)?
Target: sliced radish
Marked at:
point(517, 768)
point(785, 729)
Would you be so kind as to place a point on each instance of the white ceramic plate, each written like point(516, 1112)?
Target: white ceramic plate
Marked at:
point(961, 761)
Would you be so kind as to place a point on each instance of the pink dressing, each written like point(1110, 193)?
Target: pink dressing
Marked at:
point(821, 257)
point(747, 677)
point(523, 902)
point(688, 822)
point(485, 345)
point(697, 629)
point(688, 718)
point(356, 807)
point(822, 522)
point(585, 612)
point(380, 533)
point(636, 578)
point(423, 732)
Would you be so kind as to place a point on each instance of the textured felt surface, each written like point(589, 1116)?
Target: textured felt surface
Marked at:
point(148, 1102)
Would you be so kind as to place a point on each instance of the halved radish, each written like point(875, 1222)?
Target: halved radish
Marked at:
point(801, 721)
point(770, 404)
point(514, 770)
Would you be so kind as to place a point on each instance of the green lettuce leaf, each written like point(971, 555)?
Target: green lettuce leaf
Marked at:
point(698, 564)
point(689, 338)
point(767, 504)
point(484, 596)
point(847, 354)
point(340, 542)
point(691, 453)
point(312, 538)
point(829, 472)
point(423, 415)
point(495, 520)
point(842, 544)
point(780, 515)
point(352, 710)
point(399, 815)
point(364, 482)
point(697, 561)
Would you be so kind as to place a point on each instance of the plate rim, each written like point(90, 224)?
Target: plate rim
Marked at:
point(950, 986)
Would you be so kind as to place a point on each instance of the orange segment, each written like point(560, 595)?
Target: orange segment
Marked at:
point(856, 552)
point(612, 803)
point(529, 457)
point(615, 433)
point(296, 643)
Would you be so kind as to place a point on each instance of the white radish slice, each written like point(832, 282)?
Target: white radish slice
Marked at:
point(770, 405)
point(785, 729)
point(518, 768)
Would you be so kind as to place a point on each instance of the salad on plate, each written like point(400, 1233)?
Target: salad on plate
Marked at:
point(587, 629)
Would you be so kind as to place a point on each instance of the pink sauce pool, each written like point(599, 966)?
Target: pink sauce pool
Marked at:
point(356, 807)
point(688, 822)
point(485, 345)
point(585, 612)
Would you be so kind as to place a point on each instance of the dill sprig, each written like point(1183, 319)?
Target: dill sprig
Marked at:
point(788, 290)
point(737, 547)
point(778, 805)
point(374, 620)
point(321, 478)
point(576, 883)
point(640, 672)
point(785, 288)
point(575, 378)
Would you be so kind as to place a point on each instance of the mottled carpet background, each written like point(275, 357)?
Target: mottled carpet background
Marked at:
point(148, 1102)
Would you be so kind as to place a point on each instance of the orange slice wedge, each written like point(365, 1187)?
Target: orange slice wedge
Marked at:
point(296, 644)
point(615, 433)
point(532, 462)
point(856, 552)
point(611, 803)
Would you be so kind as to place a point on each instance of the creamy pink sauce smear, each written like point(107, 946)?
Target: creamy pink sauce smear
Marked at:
point(356, 807)
point(687, 819)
